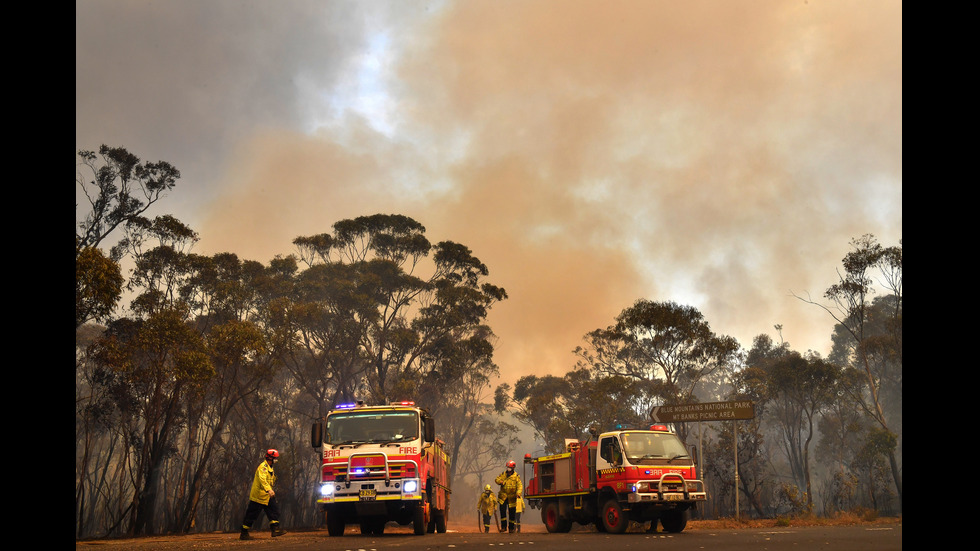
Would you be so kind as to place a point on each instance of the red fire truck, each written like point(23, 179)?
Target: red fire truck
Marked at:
point(381, 464)
point(625, 475)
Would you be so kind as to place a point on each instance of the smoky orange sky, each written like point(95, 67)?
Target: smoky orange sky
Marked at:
point(720, 154)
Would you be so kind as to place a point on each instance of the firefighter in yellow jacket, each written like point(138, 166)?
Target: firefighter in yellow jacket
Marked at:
point(263, 497)
point(485, 506)
point(510, 492)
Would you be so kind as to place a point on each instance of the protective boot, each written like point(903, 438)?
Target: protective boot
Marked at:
point(276, 530)
point(245, 535)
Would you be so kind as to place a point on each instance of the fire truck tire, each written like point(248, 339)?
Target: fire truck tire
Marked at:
point(674, 521)
point(418, 520)
point(441, 522)
point(614, 520)
point(552, 520)
point(335, 523)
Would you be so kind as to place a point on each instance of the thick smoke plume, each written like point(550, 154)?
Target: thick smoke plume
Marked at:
point(717, 154)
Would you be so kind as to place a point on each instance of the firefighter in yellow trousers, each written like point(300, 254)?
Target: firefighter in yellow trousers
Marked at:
point(485, 506)
point(510, 492)
point(263, 498)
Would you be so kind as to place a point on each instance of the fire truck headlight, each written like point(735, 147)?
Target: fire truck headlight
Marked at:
point(326, 490)
point(411, 486)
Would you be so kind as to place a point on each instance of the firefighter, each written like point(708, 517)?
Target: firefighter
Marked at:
point(263, 498)
point(510, 491)
point(485, 506)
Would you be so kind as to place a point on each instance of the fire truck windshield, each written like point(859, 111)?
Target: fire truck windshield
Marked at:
point(362, 427)
point(653, 447)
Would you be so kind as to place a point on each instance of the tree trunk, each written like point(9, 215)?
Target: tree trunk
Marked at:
point(897, 475)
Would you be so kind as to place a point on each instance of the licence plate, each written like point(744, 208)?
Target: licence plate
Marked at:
point(367, 495)
point(674, 497)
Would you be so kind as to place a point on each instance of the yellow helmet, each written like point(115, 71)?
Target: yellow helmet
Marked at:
point(487, 488)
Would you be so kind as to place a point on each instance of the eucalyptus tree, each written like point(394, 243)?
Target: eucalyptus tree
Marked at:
point(381, 314)
point(843, 428)
point(575, 405)
point(161, 358)
point(318, 329)
point(115, 188)
point(541, 403)
point(792, 391)
point(98, 436)
point(118, 188)
point(394, 306)
point(667, 346)
point(802, 388)
point(757, 474)
point(455, 387)
point(98, 286)
point(868, 335)
point(224, 295)
point(756, 478)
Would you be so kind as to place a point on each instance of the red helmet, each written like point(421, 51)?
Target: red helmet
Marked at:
point(272, 454)
point(511, 464)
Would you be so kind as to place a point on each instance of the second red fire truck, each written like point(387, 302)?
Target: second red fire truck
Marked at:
point(624, 475)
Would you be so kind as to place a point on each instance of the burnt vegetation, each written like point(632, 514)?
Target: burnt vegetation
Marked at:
point(189, 366)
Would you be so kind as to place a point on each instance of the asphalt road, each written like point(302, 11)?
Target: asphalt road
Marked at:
point(872, 537)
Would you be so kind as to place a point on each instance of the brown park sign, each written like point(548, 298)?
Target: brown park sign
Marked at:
point(710, 411)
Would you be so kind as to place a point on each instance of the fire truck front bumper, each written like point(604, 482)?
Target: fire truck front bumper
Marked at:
point(667, 491)
point(370, 490)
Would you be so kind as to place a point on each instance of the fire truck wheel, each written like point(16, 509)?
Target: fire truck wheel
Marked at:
point(335, 524)
point(613, 518)
point(553, 521)
point(674, 520)
point(418, 520)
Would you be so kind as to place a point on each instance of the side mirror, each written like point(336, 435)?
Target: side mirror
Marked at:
point(316, 434)
point(430, 429)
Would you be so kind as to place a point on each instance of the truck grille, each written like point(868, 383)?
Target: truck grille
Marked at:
point(340, 473)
